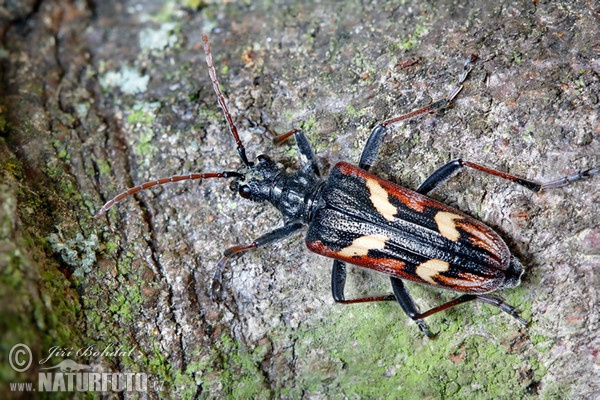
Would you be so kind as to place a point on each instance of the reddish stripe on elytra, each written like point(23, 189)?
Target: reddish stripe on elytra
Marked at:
point(387, 266)
point(471, 283)
point(409, 198)
point(484, 238)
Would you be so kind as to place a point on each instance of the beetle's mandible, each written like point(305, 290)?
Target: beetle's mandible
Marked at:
point(356, 217)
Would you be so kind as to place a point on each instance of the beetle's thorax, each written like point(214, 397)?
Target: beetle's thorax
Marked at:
point(293, 193)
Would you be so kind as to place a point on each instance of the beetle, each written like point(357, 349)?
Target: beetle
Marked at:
point(355, 217)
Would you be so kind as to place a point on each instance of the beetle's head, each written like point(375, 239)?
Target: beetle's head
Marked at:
point(257, 179)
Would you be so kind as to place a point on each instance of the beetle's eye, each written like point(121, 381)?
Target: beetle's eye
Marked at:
point(262, 158)
point(244, 191)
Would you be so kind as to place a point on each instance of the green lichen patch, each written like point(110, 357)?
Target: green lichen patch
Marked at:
point(39, 308)
point(374, 352)
point(232, 370)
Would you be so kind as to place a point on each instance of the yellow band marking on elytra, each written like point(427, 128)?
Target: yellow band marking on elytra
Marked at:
point(379, 198)
point(446, 226)
point(431, 268)
point(361, 246)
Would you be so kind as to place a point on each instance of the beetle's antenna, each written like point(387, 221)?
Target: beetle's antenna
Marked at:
point(162, 181)
point(213, 77)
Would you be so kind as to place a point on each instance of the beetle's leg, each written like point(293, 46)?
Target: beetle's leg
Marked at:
point(495, 301)
point(307, 155)
point(369, 153)
point(274, 236)
point(375, 140)
point(406, 302)
point(453, 167)
point(408, 305)
point(338, 282)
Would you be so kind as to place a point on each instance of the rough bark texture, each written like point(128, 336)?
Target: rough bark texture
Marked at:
point(99, 96)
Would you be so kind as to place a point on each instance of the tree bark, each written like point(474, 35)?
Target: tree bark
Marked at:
point(101, 96)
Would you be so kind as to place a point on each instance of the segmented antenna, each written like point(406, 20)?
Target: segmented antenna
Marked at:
point(221, 99)
point(162, 181)
point(177, 178)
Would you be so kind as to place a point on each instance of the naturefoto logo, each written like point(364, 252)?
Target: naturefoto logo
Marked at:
point(71, 376)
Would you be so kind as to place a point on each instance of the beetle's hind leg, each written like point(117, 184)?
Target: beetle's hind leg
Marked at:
point(493, 300)
point(401, 294)
point(409, 306)
point(412, 311)
point(338, 282)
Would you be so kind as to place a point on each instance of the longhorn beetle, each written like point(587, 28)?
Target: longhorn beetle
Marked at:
point(356, 217)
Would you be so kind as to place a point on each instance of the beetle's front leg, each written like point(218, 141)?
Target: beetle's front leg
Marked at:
point(307, 155)
point(274, 236)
